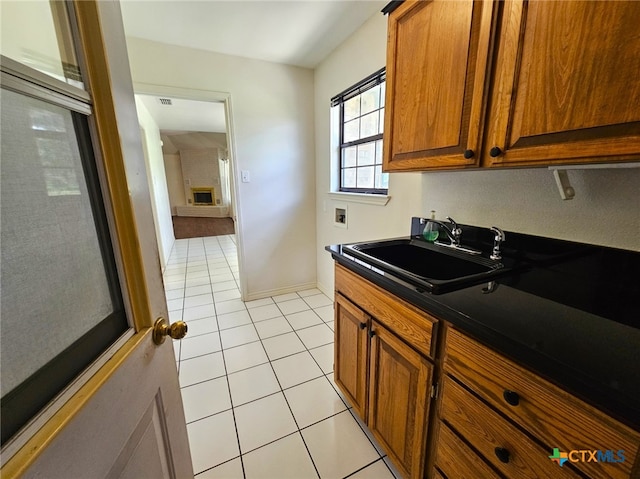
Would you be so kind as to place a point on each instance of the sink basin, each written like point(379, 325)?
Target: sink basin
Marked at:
point(431, 267)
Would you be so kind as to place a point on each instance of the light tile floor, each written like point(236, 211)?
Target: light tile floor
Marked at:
point(257, 377)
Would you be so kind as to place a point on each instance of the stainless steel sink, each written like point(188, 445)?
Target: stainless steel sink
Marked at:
point(428, 266)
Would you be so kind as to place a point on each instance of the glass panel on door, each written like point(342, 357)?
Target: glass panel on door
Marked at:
point(60, 298)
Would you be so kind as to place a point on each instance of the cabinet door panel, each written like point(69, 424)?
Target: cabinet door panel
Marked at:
point(398, 400)
point(350, 360)
point(564, 89)
point(436, 65)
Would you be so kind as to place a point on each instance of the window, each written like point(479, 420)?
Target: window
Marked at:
point(361, 122)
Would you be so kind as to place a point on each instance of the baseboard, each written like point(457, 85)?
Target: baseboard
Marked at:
point(279, 291)
point(203, 211)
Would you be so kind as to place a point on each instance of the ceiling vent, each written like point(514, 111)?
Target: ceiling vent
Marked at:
point(165, 101)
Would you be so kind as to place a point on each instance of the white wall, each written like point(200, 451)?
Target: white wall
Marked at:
point(272, 108)
point(360, 55)
point(157, 182)
point(175, 185)
point(605, 210)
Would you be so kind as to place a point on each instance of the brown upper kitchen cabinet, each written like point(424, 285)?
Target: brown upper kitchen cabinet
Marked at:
point(437, 54)
point(566, 87)
point(535, 83)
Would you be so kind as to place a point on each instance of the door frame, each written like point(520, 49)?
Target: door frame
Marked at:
point(211, 96)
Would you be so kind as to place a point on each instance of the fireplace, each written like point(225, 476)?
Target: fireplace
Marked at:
point(202, 196)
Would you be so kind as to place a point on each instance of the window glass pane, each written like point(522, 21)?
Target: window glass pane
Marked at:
point(381, 121)
point(378, 176)
point(366, 154)
point(382, 179)
point(37, 34)
point(352, 108)
point(349, 178)
point(351, 130)
point(379, 152)
point(369, 125)
point(384, 182)
point(349, 156)
point(370, 100)
point(383, 92)
point(54, 277)
point(365, 177)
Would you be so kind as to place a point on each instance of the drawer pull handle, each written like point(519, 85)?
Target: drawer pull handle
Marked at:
point(511, 397)
point(502, 454)
point(363, 325)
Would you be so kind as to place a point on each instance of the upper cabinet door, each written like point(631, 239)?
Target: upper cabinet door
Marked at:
point(567, 85)
point(437, 55)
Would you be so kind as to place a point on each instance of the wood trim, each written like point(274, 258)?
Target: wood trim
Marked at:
point(408, 322)
point(26, 456)
point(110, 147)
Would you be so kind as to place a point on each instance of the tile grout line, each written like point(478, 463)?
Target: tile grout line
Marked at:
point(226, 375)
point(347, 405)
point(299, 431)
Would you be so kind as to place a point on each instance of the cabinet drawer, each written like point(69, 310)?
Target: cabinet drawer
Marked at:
point(457, 461)
point(501, 443)
point(550, 414)
point(408, 322)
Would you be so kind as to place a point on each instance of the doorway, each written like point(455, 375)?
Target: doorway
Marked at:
point(194, 180)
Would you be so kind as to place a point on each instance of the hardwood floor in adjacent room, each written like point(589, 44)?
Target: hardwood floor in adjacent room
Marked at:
point(199, 227)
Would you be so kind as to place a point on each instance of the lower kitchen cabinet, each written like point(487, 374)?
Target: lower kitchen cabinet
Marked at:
point(385, 378)
point(490, 417)
point(350, 365)
point(398, 399)
point(514, 420)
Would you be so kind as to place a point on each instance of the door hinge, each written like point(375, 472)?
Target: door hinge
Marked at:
point(434, 391)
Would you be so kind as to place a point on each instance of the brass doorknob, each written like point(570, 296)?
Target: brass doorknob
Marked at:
point(162, 329)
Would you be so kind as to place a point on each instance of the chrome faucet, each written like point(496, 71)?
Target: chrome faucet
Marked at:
point(497, 241)
point(455, 233)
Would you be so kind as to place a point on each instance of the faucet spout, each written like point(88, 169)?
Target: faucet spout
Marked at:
point(455, 233)
point(497, 241)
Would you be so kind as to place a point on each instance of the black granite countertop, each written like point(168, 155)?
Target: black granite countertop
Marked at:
point(570, 312)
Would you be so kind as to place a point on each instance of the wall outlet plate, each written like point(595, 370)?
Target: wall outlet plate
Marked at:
point(340, 216)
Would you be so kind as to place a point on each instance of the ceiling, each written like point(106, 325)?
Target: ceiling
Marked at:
point(298, 33)
point(187, 124)
point(187, 115)
point(175, 141)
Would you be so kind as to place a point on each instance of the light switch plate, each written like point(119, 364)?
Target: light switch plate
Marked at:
point(246, 177)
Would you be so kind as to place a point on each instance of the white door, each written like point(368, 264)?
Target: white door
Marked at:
point(80, 239)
